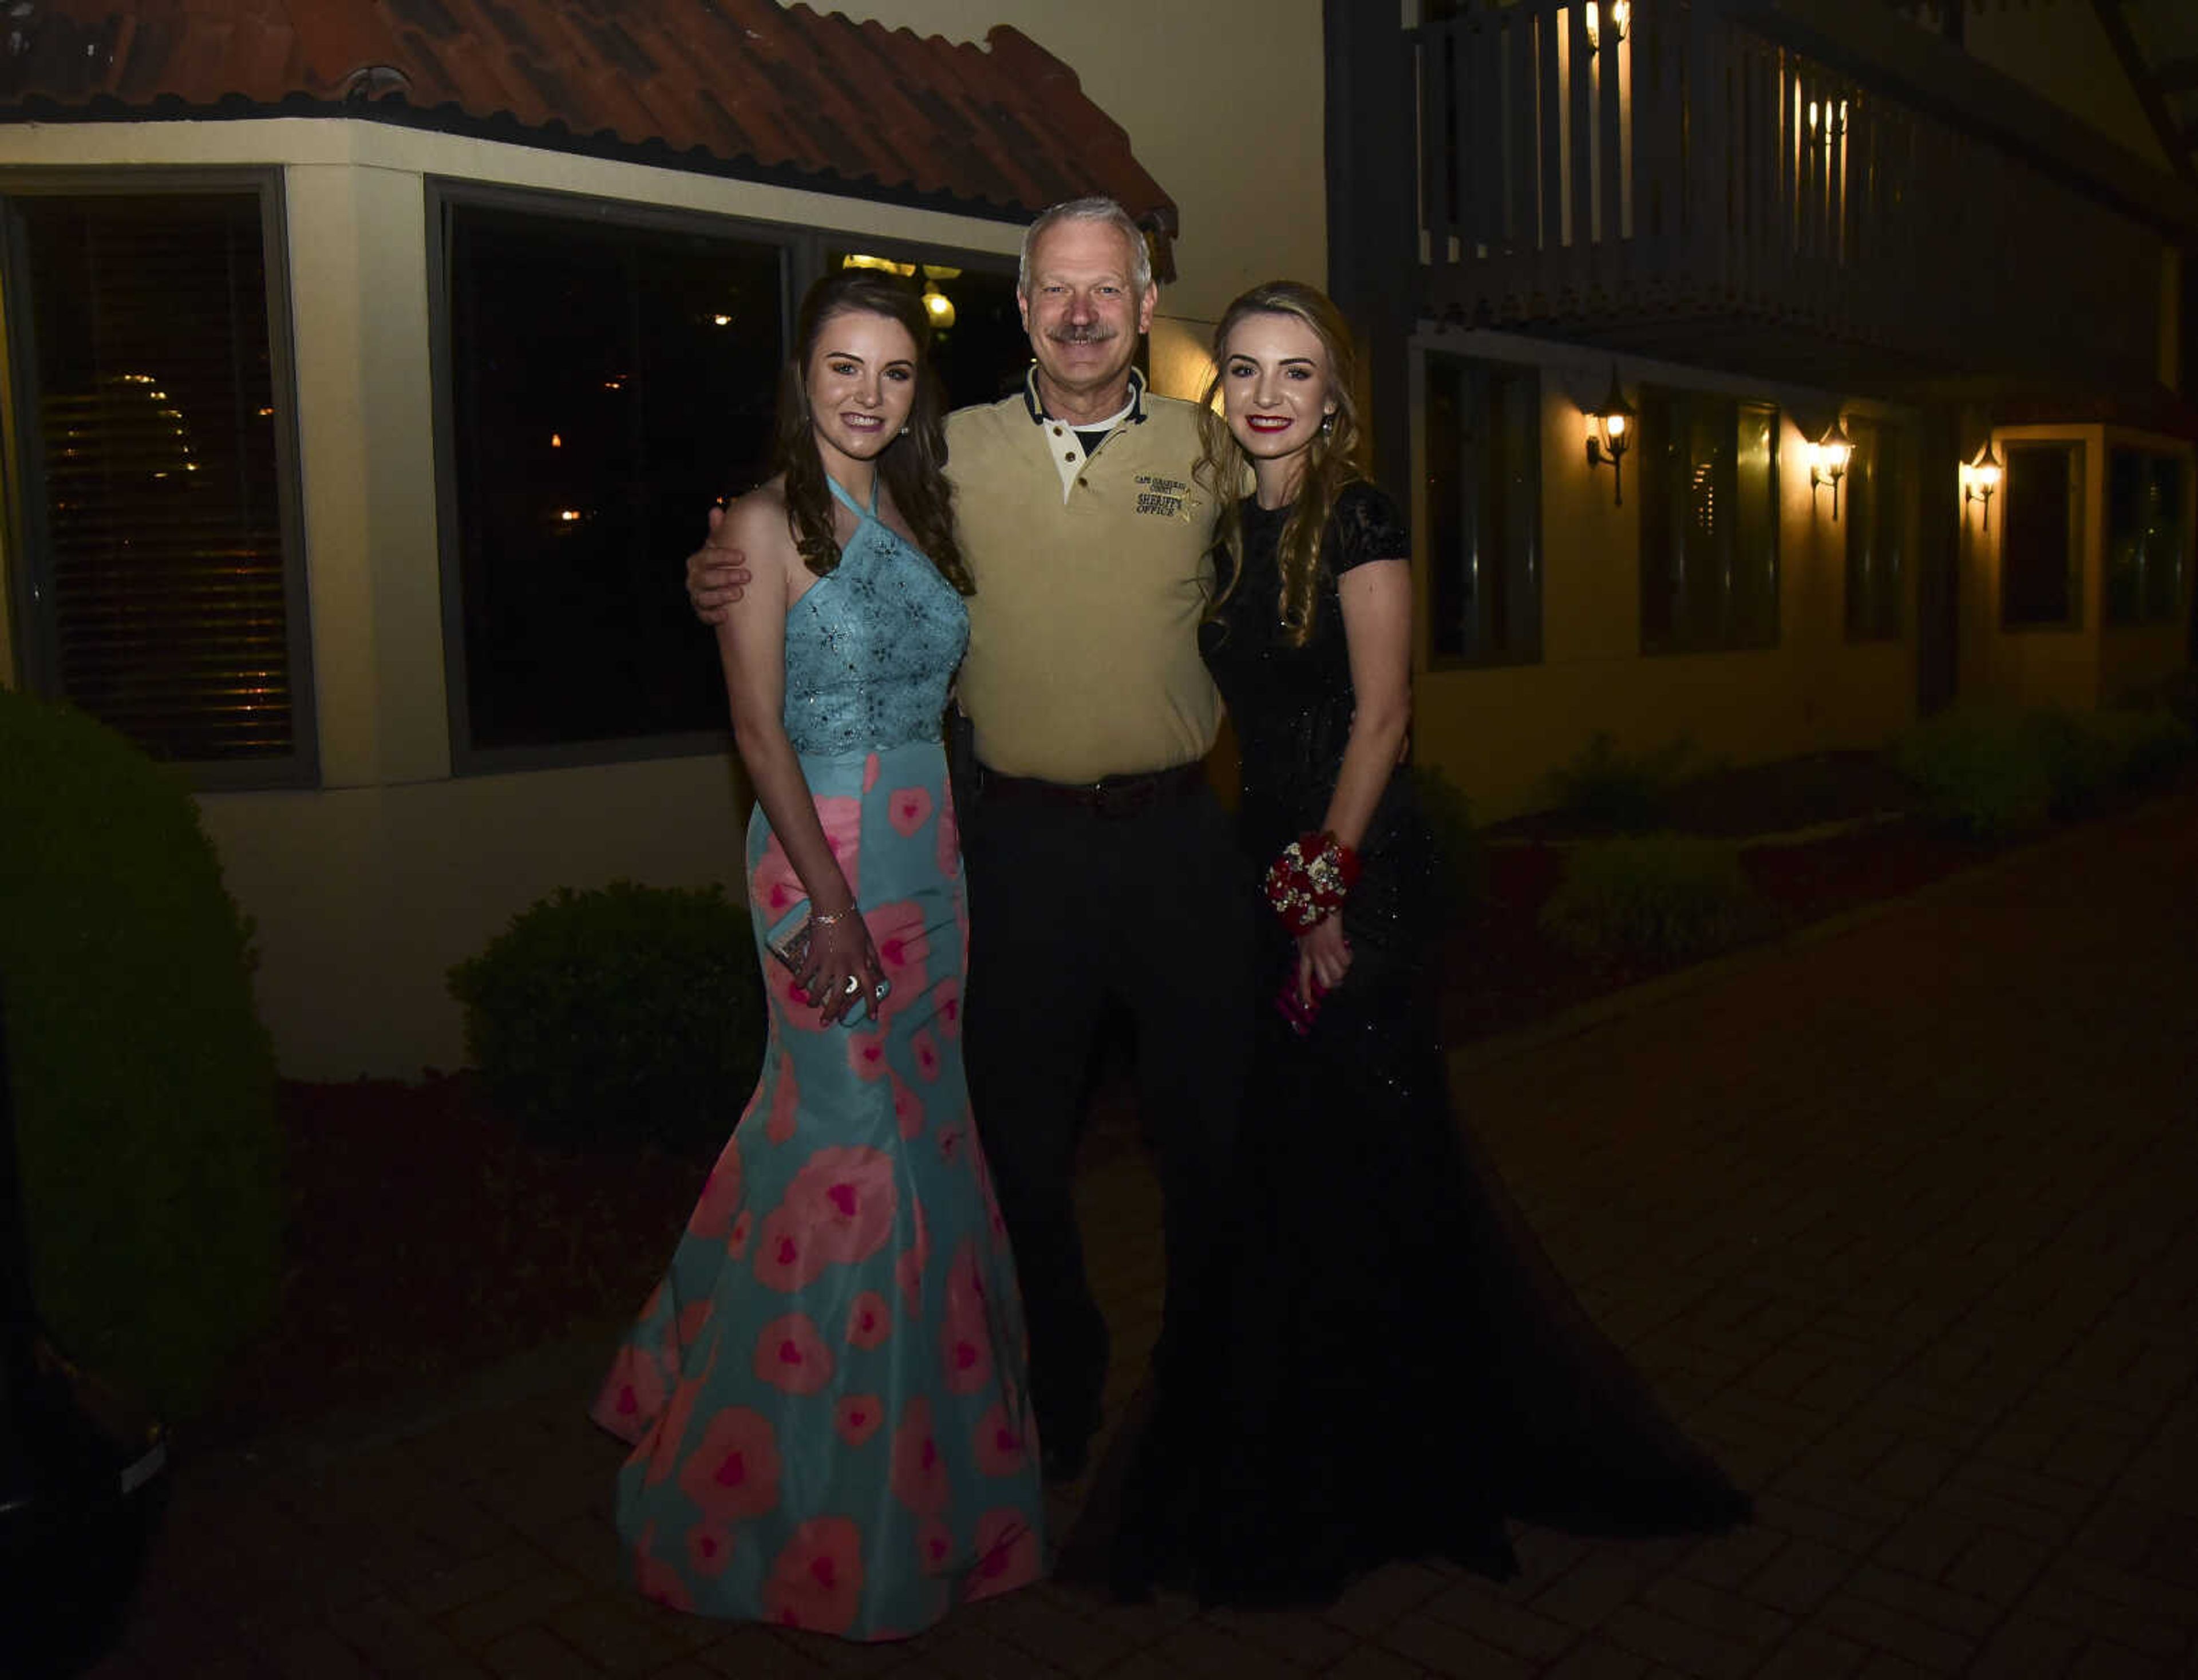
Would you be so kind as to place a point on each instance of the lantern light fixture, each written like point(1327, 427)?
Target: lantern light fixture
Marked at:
point(1979, 478)
point(1827, 461)
point(1621, 14)
point(1609, 435)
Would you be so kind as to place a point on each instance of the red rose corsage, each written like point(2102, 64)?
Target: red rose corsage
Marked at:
point(1307, 883)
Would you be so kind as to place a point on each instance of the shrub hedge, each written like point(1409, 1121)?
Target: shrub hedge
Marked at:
point(144, 1084)
point(1662, 896)
point(1995, 773)
point(1606, 788)
point(622, 1013)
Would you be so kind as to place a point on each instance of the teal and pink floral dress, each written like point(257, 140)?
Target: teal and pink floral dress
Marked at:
point(826, 1395)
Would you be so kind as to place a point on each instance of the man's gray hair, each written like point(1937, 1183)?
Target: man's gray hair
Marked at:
point(1104, 210)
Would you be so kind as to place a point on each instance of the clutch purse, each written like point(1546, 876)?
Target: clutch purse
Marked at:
point(790, 947)
point(1295, 1010)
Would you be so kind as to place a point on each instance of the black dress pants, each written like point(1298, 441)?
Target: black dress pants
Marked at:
point(1072, 907)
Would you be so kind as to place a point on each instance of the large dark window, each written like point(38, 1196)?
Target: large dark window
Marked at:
point(979, 348)
point(1876, 516)
point(608, 380)
point(1484, 511)
point(2147, 536)
point(148, 429)
point(2041, 546)
point(1709, 522)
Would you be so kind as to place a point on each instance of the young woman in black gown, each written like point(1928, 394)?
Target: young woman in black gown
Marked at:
point(1404, 1369)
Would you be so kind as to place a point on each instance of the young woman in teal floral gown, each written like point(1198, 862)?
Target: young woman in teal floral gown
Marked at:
point(826, 1396)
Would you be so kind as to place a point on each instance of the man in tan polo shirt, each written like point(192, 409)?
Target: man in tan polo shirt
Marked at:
point(1100, 869)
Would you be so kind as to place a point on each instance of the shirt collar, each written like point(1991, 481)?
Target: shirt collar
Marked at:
point(1039, 415)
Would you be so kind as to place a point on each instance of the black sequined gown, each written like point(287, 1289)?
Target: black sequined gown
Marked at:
point(1406, 1370)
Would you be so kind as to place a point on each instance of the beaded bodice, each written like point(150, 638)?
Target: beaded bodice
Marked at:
point(871, 648)
point(1292, 706)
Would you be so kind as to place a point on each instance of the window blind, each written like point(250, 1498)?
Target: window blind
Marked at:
point(155, 466)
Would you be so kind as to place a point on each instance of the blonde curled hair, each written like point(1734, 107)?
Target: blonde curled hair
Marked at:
point(1335, 459)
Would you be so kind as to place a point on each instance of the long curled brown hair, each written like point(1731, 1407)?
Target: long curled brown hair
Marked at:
point(1336, 459)
point(913, 465)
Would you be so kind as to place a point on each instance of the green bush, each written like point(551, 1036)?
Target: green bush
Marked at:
point(1460, 863)
point(1995, 773)
point(2175, 693)
point(2082, 757)
point(626, 1012)
point(1981, 772)
point(1607, 789)
point(144, 1084)
point(1661, 896)
point(2145, 744)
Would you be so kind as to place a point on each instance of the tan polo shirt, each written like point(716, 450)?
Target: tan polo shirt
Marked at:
point(1083, 658)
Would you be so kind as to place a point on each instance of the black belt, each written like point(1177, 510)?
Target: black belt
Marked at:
point(1109, 796)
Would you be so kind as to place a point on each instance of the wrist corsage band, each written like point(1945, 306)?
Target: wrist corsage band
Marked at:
point(1309, 881)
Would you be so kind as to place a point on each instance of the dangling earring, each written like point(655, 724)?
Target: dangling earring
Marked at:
point(1328, 423)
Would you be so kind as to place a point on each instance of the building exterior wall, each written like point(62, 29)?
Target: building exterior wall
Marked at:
point(1498, 732)
point(366, 889)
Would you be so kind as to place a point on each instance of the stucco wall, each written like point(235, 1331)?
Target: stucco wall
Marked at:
point(365, 895)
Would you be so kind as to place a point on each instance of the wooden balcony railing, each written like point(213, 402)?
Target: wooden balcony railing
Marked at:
point(1698, 171)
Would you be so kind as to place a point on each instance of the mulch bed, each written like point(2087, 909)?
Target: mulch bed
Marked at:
point(429, 1236)
point(1819, 836)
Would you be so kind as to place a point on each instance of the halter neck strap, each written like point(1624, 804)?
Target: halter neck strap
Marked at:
point(849, 502)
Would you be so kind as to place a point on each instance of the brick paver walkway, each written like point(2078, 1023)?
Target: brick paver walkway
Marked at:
point(1900, 1217)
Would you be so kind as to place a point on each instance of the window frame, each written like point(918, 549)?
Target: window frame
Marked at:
point(803, 247)
point(22, 477)
point(2118, 443)
point(1425, 352)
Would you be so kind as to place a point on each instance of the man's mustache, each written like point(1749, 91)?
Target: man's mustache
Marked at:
point(1090, 333)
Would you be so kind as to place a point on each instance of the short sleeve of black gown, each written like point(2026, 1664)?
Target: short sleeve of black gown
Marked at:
point(1367, 526)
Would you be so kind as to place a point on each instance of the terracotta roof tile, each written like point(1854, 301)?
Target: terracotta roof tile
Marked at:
point(731, 86)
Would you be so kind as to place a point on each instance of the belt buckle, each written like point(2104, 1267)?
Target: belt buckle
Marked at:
point(1124, 799)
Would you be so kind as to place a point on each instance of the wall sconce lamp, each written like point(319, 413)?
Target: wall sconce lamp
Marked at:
point(1828, 120)
point(1610, 428)
point(1980, 478)
point(938, 306)
point(1621, 13)
point(1828, 463)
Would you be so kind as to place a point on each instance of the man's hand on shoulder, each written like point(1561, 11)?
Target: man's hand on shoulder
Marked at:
point(716, 574)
